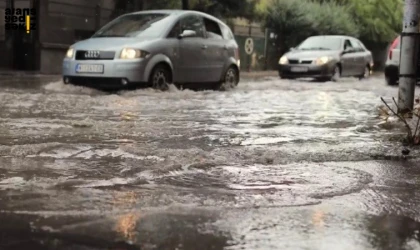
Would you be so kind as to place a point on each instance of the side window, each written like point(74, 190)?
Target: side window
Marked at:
point(356, 45)
point(347, 44)
point(193, 23)
point(213, 30)
point(227, 34)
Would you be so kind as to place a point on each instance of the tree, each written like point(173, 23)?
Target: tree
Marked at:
point(185, 5)
point(226, 8)
point(379, 20)
point(293, 21)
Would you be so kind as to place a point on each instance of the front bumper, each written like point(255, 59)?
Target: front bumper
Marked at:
point(306, 70)
point(114, 72)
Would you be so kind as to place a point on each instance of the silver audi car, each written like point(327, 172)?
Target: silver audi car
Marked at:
point(156, 48)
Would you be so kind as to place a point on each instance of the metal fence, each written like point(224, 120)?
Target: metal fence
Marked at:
point(257, 49)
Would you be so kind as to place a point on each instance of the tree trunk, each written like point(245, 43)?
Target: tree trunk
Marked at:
point(185, 5)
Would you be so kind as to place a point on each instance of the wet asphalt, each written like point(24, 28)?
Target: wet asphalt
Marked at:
point(273, 164)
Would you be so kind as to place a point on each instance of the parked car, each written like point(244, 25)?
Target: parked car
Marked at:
point(392, 63)
point(327, 58)
point(156, 48)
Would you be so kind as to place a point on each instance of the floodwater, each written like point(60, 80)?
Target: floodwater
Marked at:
point(272, 164)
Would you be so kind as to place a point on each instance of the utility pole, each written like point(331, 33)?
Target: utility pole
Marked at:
point(185, 5)
point(409, 56)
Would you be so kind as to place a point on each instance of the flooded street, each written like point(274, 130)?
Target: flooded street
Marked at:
point(273, 164)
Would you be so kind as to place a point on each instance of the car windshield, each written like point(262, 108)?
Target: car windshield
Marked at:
point(320, 43)
point(135, 25)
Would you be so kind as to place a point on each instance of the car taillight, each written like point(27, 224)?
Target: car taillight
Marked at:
point(393, 46)
point(237, 53)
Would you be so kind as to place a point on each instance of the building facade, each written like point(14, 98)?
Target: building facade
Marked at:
point(59, 23)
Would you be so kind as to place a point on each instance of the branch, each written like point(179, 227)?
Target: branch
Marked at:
point(417, 126)
point(410, 134)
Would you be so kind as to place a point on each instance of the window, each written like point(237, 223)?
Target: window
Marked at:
point(193, 23)
point(321, 43)
point(347, 45)
point(356, 45)
point(213, 29)
point(227, 33)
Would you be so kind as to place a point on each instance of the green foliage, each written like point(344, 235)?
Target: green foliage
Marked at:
point(226, 8)
point(379, 20)
point(338, 2)
point(293, 21)
point(220, 8)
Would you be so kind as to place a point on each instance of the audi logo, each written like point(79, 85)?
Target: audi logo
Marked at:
point(92, 54)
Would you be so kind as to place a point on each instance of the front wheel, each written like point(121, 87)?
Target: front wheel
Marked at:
point(230, 79)
point(366, 73)
point(160, 78)
point(336, 74)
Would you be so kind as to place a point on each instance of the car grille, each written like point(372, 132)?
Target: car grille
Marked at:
point(293, 61)
point(103, 55)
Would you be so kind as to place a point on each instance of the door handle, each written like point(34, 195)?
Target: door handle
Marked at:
point(225, 47)
point(204, 47)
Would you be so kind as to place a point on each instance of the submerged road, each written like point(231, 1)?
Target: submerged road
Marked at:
point(273, 164)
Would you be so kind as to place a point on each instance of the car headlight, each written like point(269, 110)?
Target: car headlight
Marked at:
point(283, 60)
point(322, 60)
point(70, 53)
point(128, 53)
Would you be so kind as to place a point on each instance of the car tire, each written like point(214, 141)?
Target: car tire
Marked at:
point(336, 73)
point(391, 80)
point(230, 79)
point(366, 73)
point(160, 78)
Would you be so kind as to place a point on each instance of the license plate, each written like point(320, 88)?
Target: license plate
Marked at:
point(90, 68)
point(299, 69)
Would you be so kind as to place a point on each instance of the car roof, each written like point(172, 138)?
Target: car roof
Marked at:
point(176, 13)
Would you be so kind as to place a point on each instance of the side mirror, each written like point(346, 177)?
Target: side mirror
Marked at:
point(187, 33)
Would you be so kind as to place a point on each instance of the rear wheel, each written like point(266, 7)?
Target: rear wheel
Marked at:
point(230, 79)
point(160, 78)
point(391, 80)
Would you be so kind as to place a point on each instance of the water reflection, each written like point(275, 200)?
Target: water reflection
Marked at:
point(392, 232)
point(318, 219)
point(126, 226)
